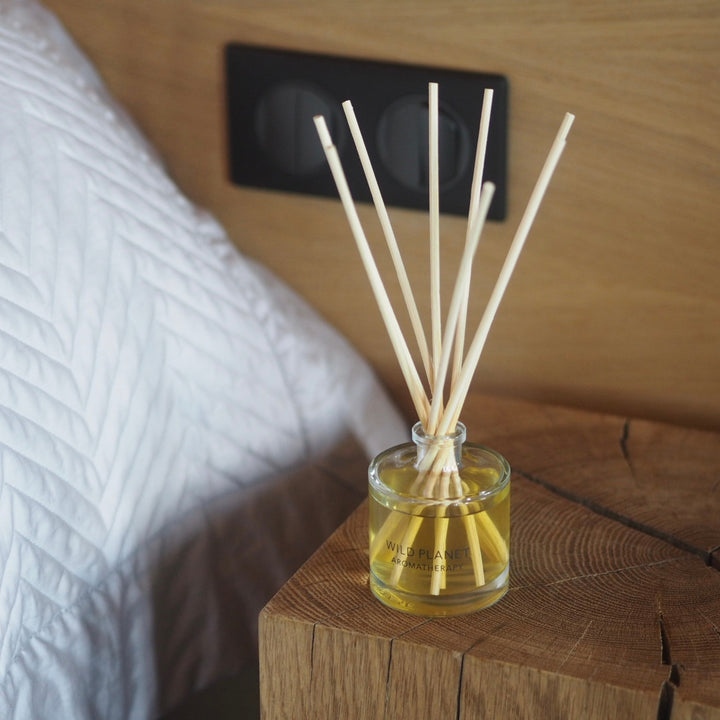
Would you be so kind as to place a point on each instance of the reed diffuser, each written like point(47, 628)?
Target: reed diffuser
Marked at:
point(439, 506)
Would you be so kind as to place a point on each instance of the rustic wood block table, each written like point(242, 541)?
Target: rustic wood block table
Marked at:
point(613, 609)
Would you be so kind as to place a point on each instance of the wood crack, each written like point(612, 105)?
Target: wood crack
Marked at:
point(460, 687)
point(624, 445)
point(576, 644)
point(665, 701)
point(598, 574)
point(664, 640)
point(714, 558)
point(710, 623)
point(312, 652)
point(388, 680)
point(667, 689)
point(607, 512)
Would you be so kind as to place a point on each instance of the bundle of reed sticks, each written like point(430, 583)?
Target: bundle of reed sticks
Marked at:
point(444, 351)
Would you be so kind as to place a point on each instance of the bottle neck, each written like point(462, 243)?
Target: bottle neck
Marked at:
point(426, 443)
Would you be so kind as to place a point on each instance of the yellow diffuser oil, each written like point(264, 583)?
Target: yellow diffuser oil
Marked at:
point(439, 525)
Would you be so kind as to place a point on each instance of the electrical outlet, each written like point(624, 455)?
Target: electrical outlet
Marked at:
point(272, 96)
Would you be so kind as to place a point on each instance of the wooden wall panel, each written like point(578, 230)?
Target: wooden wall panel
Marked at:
point(615, 304)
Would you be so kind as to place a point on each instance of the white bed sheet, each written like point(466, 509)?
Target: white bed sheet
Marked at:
point(178, 430)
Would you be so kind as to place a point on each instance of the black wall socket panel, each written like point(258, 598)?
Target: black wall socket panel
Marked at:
point(272, 96)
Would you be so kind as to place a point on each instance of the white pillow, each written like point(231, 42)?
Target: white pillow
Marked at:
point(146, 370)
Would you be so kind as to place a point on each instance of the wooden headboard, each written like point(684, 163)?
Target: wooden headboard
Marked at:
point(615, 304)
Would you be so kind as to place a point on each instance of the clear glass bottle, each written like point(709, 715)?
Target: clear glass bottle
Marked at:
point(439, 525)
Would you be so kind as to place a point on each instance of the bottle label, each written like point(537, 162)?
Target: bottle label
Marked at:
point(427, 558)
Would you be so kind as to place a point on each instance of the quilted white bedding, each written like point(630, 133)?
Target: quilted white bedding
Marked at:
point(172, 417)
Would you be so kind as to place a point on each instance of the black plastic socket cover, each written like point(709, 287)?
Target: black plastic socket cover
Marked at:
point(272, 96)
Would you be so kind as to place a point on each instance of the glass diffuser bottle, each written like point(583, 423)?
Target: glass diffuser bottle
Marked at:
point(439, 525)
point(439, 506)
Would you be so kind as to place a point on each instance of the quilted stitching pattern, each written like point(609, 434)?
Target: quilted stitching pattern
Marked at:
point(145, 368)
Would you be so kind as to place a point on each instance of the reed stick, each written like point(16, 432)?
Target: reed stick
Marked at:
point(457, 397)
point(434, 213)
point(408, 369)
point(458, 301)
point(390, 239)
point(475, 190)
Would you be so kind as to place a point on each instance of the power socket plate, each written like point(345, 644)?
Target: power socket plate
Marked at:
point(272, 96)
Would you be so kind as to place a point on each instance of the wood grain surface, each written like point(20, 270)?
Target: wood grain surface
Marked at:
point(615, 304)
point(614, 601)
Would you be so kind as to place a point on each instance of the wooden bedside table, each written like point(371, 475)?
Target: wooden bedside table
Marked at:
point(614, 602)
